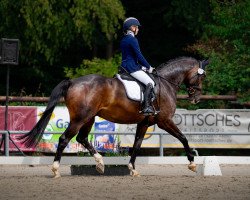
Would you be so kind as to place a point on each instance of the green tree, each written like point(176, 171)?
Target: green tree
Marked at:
point(190, 14)
point(105, 67)
point(50, 30)
point(226, 42)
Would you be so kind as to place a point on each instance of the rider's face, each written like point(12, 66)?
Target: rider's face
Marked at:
point(135, 29)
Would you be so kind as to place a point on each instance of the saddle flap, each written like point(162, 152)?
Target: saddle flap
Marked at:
point(134, 90)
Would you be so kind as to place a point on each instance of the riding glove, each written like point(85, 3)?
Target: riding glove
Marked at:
point(144, 68)
point(151, 69)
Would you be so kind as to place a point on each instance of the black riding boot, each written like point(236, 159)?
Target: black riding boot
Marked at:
point(148, 109)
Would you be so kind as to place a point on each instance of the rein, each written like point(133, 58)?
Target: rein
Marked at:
point(156, 74)
point(191, 88)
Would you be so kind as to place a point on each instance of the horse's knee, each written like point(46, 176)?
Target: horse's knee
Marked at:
point(63, 141)
point(183, 138)
point(83, 141)
point(79, 139)
point(62, 138)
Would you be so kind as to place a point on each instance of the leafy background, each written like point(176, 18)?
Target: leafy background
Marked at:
point(72, 38)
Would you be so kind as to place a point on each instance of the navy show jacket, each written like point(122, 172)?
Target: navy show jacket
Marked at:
point(132, 58)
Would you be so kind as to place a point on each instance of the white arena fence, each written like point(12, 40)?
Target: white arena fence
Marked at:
point(207, 166)
point(141, 160)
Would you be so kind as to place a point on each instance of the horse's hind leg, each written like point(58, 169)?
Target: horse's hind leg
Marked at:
point(140, 133)
point(69, 133)
point(171, 128)
point(82, 138)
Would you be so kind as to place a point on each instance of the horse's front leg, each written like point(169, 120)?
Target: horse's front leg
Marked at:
point(171, 128)
point(140, 133)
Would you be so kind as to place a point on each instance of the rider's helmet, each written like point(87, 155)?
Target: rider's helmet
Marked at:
point(130, 22)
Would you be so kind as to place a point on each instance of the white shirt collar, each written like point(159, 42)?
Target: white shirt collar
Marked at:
point(130, 33)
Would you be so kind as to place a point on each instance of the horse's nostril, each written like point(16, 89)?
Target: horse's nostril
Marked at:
point(197, 101)
point(193, 101)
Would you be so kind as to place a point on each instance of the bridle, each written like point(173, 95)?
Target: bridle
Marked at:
point(192, 88)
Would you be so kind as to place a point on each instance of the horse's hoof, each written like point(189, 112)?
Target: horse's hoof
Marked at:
point(134, 173)
point(57, 176)
point(192, 166)
point(100, 168)
point(56, 173)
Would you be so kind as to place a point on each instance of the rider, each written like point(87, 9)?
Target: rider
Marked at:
point(134, 62)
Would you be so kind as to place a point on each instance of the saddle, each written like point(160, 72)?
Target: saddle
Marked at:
point(134, 88)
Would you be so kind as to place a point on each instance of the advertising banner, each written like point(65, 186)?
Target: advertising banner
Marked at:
point(204, 128)
point(59, 121)
point(20, 118)
point(214, 128)
point(105, 142)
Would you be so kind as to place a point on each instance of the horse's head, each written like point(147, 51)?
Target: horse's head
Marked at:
point(194, 80)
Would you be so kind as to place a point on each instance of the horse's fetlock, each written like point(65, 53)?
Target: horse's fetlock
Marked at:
point(98, 157)
point(130, 166)
point(55, 165)
point(191, 157)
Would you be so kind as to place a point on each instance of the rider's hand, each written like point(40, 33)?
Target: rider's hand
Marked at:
point(144, 68)
point(151, 69)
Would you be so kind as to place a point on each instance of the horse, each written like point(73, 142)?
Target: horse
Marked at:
point(95, 95)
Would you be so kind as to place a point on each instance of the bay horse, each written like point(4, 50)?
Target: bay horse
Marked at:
point(95, 95)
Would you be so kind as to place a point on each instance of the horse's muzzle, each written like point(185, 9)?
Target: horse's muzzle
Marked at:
point(194, 101)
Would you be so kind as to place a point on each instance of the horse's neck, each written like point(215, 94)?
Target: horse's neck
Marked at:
point(177, 71)
point(176, 78)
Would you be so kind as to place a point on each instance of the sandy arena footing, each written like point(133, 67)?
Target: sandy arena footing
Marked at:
point(156, 182)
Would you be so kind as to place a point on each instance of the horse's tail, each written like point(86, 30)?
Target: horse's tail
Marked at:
point(32, 138)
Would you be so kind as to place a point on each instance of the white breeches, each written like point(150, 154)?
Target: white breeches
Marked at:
point(143, 77)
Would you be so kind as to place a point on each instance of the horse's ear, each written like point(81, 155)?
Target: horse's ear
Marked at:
point(204, 63)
